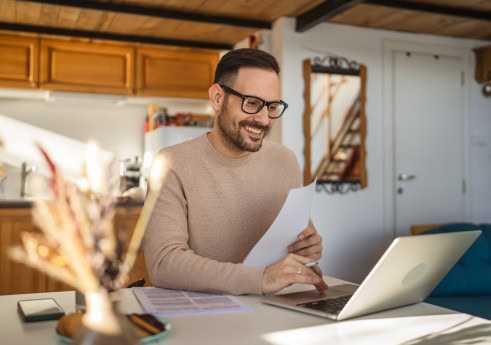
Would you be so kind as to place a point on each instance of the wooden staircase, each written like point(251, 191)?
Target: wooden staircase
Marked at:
point(343, 157)
point(334, 147)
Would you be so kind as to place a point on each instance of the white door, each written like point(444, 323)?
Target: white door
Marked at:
point(428, 118)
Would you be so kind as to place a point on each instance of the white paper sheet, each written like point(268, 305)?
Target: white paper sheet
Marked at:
point(290, 222)
point(159, 301)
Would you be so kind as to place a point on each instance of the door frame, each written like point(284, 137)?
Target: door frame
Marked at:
point(389, 197)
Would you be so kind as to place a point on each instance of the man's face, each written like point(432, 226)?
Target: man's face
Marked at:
point(241, 131)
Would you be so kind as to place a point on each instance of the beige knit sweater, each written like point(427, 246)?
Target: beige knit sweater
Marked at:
point(211, 212)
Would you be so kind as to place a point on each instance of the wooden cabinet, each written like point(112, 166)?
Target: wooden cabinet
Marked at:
point(125, 222)
point(80, 66)
point(87, 67)
point(16, 278)
point(19, 64)
point(174, 72)
point(483, 64)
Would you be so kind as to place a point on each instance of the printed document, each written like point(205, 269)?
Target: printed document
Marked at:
point(290, 222)
point(163, 302)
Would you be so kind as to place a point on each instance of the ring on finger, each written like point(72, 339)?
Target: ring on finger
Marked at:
point(299, 270)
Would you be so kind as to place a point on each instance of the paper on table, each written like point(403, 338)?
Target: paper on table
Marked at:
point(177, 302)
point(292, 219)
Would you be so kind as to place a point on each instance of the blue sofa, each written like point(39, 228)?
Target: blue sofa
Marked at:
point(467, 287)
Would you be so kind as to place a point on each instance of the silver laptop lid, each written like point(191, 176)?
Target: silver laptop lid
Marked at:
point(408, 271)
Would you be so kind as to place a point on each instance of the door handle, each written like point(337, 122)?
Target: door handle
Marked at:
point(406, 177)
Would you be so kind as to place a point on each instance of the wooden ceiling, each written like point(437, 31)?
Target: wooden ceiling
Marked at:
point(380, 17)
point(219, 24)
point(41, 13)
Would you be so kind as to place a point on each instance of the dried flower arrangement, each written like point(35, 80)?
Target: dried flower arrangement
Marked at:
point(78, 243)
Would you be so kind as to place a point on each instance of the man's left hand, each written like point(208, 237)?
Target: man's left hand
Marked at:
point(309, 244)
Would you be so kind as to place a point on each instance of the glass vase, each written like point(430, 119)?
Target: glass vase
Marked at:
point(103, 324)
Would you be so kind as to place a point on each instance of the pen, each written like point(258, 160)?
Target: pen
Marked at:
point(311, 264)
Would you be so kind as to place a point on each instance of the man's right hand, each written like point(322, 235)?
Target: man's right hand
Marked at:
point(289, 270)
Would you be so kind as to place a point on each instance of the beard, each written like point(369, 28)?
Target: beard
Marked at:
point(234, 138)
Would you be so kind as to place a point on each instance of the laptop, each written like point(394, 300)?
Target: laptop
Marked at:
point(407, 273)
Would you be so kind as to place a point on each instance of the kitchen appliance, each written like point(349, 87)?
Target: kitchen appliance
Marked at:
point(130, 173)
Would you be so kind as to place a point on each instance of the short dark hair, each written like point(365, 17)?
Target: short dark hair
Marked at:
point(228, 67)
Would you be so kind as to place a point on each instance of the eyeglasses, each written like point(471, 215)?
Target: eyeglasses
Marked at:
point(253, 105)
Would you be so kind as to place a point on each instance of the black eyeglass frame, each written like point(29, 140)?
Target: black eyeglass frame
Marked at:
point(238, 94)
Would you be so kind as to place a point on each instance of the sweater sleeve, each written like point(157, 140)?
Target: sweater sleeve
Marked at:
point(171, 263)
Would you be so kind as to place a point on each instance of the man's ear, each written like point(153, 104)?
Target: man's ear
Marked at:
point(216, 96)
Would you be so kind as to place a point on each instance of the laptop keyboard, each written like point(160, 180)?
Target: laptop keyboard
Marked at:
point(330, 306)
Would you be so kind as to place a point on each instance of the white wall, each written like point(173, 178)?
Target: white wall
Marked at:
point(117, 128)
point(352, 225)
point(69, 122)
point(20, 145)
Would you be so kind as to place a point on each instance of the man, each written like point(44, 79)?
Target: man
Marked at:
point(224, 189)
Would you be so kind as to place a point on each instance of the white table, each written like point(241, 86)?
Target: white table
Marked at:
point(417, 324)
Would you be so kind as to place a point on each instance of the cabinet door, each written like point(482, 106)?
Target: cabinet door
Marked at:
point(19, 58)
point(175, 72)
point(15, 277)
point(124, 224)
point(87, 67)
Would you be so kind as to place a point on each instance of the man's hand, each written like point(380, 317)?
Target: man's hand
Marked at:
point(291, 269)
point(309, 244)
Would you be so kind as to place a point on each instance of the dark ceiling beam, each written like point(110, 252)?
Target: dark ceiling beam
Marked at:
point(110, 36)
point(323, 12)
point(433, 9)
point(156, 12)
point(331, 8)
